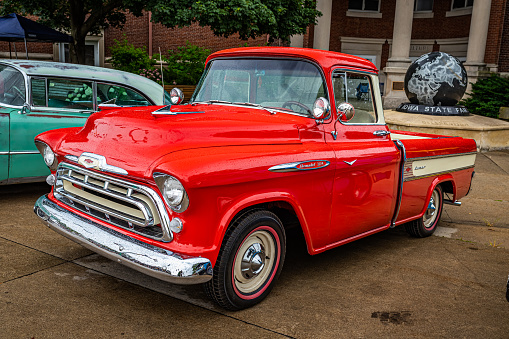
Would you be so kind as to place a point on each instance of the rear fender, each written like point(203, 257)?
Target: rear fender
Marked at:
point(437, 181)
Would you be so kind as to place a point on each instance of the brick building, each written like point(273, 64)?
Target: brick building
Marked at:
point(391, 33)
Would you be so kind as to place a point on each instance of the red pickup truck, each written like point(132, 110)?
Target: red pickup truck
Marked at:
point(272, 138)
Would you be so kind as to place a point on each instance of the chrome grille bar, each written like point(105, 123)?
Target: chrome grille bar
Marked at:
point(149, 219)
point(121, 192)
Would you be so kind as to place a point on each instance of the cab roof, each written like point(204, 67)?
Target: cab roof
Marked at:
point(326, 59)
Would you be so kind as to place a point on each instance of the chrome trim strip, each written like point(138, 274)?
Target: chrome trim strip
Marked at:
point(401, 147)
point(101, 164)
point(73, 158)
point(150, 193)
point(148, 259)
point(19, 152)
point(293, 166)
point(441, 156)
point(437, 173)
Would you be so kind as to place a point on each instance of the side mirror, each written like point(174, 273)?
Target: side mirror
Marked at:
point(346, 111)
point(25, 109)
point(321, 108)
point(176, 96)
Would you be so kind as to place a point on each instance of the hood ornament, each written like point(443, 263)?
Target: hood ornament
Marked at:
point(98, 162)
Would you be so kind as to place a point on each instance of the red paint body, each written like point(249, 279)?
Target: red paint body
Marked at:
point(222, 153)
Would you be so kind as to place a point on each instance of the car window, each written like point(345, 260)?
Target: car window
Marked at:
point(12, 86)
point(292, 85)
point(124, 96)
point(62, 93)
point(356, 89)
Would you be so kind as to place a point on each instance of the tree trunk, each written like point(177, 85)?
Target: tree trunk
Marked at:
point(77, 51)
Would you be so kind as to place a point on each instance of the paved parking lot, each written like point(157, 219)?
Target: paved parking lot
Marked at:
point(386, 285)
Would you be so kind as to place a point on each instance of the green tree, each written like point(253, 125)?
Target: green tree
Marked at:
point(249, 18)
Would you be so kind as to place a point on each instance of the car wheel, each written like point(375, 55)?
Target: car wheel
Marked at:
point(427, 224)
point(249, 262)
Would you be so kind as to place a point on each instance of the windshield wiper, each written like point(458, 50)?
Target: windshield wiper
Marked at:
point(211, 102)
point(247, 104)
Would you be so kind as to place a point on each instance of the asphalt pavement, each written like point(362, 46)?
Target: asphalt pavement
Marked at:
point(386, 285)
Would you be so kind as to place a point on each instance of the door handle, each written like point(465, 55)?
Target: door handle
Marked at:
point(381, 133)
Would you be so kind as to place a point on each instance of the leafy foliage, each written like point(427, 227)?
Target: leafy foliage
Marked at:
point(249, 18)
point(126, 57)
point(488, 95)
point(185, 66)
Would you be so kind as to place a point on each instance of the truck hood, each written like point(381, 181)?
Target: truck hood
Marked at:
point(133, 138)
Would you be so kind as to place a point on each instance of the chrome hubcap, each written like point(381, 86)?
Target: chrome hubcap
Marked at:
point(254, 261)
point(430, 215)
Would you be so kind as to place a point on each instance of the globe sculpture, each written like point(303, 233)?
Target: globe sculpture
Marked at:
point(435, 79)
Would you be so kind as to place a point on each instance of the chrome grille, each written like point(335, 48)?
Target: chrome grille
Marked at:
point(134, 207)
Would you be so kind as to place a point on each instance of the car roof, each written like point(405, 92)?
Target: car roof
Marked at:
point(59, 69)
point(326, 59)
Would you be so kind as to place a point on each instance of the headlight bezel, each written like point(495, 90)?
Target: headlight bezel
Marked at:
point(47, 154)
point(165, 182)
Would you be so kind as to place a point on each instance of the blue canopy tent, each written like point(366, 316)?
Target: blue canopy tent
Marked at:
point(14, 28)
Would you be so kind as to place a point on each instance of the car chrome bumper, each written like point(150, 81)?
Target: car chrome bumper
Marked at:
point(146, 258)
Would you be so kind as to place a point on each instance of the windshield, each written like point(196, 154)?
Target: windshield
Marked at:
point(12, 86)
point(291, 85)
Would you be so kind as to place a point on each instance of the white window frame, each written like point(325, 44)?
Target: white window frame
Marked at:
point(61, 51)
point(367, 10)
point(425, 10)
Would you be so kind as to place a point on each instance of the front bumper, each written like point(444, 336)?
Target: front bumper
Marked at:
point(146, 258)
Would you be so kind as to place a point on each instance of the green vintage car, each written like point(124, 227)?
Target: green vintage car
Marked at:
point(37, 96)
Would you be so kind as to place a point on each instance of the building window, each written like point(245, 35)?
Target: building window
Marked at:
point(364, 5)
point(423, 5)
point(458, 4)
point(91, 53)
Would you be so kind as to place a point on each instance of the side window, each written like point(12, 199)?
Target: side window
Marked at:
point(39, 92)
point(121, 95)
point(12, 86)
point(356, 89)
point(63, 93)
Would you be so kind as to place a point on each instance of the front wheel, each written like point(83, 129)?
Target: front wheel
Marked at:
point(249, 261)
point(427, 224)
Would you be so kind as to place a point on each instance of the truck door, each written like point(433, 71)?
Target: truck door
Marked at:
point(366, 177)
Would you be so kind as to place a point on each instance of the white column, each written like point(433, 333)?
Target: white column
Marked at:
point(478, 32)
point(479, 24)
point(402, 33)
point(399, 61)
point(322, 29)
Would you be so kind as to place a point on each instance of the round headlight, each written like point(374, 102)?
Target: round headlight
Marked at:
point(173, 191)
point(49, 156)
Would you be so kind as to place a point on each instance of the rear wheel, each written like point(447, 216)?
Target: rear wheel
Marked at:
point(249, 261)
point(427, 224)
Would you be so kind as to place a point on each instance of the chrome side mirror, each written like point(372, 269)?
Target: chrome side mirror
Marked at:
point(346, 111)
point(176, 96)
point(25, 109)
point(321, 108)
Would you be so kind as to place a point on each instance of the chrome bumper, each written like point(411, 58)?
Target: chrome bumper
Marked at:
point(148, 259)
